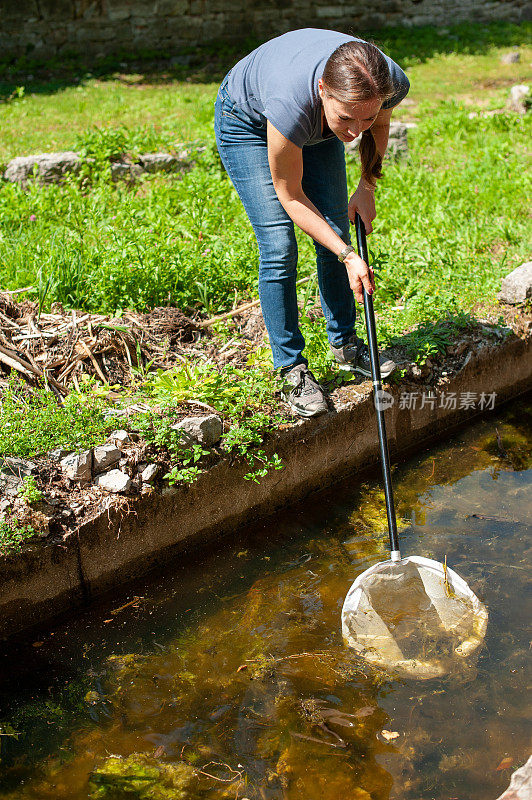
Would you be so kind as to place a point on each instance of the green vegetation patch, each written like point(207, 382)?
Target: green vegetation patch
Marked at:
point(33, 422)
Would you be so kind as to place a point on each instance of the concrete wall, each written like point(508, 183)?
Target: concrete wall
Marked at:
point(45, 28)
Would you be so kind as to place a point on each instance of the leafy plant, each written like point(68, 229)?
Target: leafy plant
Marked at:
point(13, 535)
point(33, 422)
point(29, 490)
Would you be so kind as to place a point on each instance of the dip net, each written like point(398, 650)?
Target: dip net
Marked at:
point(414, 617)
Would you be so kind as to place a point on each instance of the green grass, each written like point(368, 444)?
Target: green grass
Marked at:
point(172, 104)
point(33, 423)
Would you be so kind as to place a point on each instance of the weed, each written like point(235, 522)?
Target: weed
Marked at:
point(240, 395)
point(33, 422)
point(13, 535)
point(29, 491)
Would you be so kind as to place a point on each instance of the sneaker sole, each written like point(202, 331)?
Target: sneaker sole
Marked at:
point(302, 412)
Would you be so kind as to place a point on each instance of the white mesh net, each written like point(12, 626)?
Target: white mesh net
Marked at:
point(413, 617)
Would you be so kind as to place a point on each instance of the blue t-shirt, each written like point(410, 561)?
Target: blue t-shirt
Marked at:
point(279, 81)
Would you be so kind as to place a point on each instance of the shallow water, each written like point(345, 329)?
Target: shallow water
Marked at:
point(236, 665)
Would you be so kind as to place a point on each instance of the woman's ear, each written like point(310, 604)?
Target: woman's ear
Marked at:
point(320, 88)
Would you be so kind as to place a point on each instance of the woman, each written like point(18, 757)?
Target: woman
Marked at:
point(282, 116)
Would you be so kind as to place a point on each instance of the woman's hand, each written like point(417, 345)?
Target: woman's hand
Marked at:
point(363, 201)
point(360, 276)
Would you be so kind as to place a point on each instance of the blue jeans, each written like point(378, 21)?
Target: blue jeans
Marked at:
point(243, 149)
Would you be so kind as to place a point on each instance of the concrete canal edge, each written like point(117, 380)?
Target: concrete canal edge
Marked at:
point(124, 543)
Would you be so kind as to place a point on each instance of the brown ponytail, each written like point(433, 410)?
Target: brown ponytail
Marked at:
point(358, 71)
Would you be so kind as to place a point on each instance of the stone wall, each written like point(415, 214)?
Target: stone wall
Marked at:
point(45, 28)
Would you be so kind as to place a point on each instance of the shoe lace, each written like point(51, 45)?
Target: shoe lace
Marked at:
point(300, 388)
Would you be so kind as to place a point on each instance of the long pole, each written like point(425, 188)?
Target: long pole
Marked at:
point(378, 396)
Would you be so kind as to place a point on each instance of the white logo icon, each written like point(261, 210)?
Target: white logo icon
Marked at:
point(383, 400)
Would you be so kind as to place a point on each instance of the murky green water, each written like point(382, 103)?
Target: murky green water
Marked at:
point(231, 675)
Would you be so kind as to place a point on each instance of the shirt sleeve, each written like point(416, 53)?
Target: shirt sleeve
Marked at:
point(289, 119)
point(400, 82)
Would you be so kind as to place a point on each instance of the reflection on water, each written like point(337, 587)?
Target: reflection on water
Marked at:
point(230, 679)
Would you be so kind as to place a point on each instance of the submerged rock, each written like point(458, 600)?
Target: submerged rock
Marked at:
point(144, 778)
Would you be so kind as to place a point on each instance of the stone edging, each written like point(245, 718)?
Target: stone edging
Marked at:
point(125, 542)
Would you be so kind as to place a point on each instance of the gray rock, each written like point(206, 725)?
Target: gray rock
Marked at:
point(520, 787)
point(17, 466)
point(517, 286)
point(513, 57)
point(160, 162)
point(205, 430)
point(119, 438)
point(121, 170)
point(9, 485)
point(114, 481)
point(517, 98)
point(47, 167)
point(105, 455)
point(59, 454)
point(148, 474)
point(398, 141)
point(78, 466)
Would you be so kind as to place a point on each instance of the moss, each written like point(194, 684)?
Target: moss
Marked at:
point(142, 777)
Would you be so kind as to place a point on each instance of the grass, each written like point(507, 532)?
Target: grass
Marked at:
point(51, 104)
point(452, 220)
point(33, 423)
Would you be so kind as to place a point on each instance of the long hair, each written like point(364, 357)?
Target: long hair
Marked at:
point(358, 71)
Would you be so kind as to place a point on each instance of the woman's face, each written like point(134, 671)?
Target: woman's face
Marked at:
point(348, 120)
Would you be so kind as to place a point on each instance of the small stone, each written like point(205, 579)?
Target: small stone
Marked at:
point(517, 286)
point(149, 473)
point(205, 430)
point(119, 438)
point(517, 99)
point(114, 481)
point(513, 57)
point(78, 466)
point(105, 455)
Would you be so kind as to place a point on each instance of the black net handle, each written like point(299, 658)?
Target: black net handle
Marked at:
point(377, 393)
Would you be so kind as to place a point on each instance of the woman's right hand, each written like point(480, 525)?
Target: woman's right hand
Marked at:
point(360, 276)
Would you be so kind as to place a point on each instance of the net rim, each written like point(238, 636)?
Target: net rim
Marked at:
point(410, 666)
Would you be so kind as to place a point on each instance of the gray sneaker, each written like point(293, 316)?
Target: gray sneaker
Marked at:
point(303, 393)
point(354, 356)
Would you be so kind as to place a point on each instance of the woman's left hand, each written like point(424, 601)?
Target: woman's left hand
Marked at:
point(363, 201)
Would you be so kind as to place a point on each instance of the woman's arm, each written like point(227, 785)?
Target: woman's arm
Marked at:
point(286, 166)
point(363, 200)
